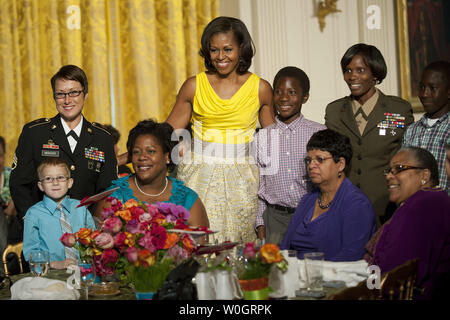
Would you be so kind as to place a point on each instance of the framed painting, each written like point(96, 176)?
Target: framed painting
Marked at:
point(423, 31)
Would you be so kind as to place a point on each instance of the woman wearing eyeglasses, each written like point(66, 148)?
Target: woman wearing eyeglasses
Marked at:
point(336, 217)
point(420, 227)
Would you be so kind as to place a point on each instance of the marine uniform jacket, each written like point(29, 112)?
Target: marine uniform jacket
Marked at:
point(93, 163)
point(372, 150)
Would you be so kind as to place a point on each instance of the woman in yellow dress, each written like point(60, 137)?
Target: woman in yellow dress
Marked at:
point(224, 104)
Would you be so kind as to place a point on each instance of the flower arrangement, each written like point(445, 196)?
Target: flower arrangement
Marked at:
point(254, 269)
point(256, 262)
point(135, 242)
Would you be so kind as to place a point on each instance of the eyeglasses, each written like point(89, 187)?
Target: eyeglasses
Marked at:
point(62, 95)
point(319, 160)
point(51, 179)
point(399, 168)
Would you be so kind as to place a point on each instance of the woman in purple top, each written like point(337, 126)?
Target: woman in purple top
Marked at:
point(420, 227)
point(336, 218)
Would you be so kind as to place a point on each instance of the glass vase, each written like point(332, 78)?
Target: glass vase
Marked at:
point(255, 289)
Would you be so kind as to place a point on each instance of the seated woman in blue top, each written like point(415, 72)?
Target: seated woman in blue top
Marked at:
point(150, 147)
point(335, 218)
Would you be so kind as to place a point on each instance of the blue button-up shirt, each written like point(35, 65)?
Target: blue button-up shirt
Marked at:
point(42, 228)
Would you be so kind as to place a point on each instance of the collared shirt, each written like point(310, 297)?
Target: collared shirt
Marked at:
point(42, 228)
point(433, 138)
point(280, 152)
point(77, 130)
point(367, 108)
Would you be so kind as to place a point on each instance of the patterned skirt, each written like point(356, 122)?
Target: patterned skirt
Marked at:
point(228, 189)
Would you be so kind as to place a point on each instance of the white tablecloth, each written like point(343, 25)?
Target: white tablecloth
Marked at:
point(285, 284)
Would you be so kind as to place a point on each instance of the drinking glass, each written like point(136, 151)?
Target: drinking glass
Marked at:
point(39, 263)
point(314, 270)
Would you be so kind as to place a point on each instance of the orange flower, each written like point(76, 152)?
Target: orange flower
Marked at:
point(271, 253)
point(83, 236)
point(171, 240)
point(146, 258)
point(130, 203)
point(187, 243)
point(94, 234)
point(124, 214)
point(83, 233)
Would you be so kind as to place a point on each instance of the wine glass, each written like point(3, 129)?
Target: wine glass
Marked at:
point(39, 263)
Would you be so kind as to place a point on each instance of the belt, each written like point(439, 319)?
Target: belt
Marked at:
point(281, 208)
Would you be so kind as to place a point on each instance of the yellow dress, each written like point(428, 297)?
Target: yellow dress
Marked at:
point(218, 166)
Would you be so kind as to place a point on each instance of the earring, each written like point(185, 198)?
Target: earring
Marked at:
point(423, 182)
point(339, 174)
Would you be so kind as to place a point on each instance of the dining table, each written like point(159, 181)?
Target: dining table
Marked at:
point(126, 291)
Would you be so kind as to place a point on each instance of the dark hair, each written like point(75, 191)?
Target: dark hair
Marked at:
point(2, 143)
point(440, 66)
point(371, 56)
point(52, 162)
point(161, 131)
point(71, 72)
point(115, 134)
point(241, 35)
point(424, 159)
point(335, 143)
point(296, 73)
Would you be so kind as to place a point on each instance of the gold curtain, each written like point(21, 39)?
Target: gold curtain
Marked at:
point(141, 50)
point(154, 47)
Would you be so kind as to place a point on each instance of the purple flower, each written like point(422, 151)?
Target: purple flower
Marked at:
point(173, 211)
point(133, 226)
point(107, 212)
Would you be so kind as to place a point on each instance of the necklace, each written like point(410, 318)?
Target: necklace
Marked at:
point(321, 206)
point(148, 194)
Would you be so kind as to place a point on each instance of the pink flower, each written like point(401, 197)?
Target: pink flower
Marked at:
point(145, 217)
point(249, 250)
point(177, 253)
point(101, 268)
point(68, 239)
point(112, 224)
point(104, 241)
point(152, 210)
point(147, 242)
point(109, 256)
point(131, 254)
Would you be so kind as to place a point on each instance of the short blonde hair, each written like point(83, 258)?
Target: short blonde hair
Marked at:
point(49, 162)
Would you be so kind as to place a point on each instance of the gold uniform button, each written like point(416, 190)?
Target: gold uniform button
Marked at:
point(72, 167)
